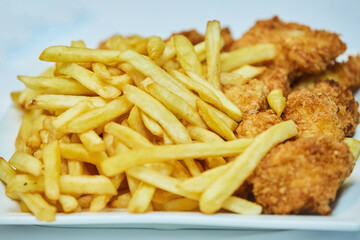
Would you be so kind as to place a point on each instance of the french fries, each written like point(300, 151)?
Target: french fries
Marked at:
point(140, 124)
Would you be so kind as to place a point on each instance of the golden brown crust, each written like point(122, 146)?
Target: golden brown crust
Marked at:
point(302, 176)
point(347, 73)
point(314, 113)
point(250, 97)
point(348, 113)
point(194, 36)
point(254, 124)
point(301, 50)
point(228, 39)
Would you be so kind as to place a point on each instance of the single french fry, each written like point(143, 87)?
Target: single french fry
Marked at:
point(354, 146)
point(180, 204)
point(248, 71)
point(180, 172)
point(168, 53)
point(219, 191)
point(176, 104)
point(76, 152)
point(232, 79)
point(186, 55)
point(200, 50)
point(101, 71)
point(76, 168)
point(79, 54)
point(158, 112)
point(25, 183)
point(121, 162)
point(247, 55)
point(63, 119)
point(214, 122)
point(86, 184)
point(99, 202)
point(55, 85)
point(24, 134)
point(68, 203)
point(204, 93)
point(62, 102)
point(89, 80)
point(227, 106)
point(78, 43)
point(42, 210)
point(141, 198)
point(277, 101)
point(23, 207)
point(26, 163)
point(151, 125)
point(99, 116)
point(242, 206)
point(162, 196)
point(155, 47)
point(6, 171)
point(119, 81)
point(92, 142)
point(132, 72)
point(213, 47)
point(52, 161)
point(127, 136)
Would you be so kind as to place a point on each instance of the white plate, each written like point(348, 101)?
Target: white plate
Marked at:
point(345, 217)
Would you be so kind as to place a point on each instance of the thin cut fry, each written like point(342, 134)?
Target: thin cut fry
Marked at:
point(26, 163)
point(39, 207)
point(213, 47)
point(92, 141)
point(52, 161)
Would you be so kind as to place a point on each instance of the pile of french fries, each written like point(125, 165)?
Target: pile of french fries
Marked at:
point(142, 125)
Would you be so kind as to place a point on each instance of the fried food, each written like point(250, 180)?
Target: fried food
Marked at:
point(250, 97)
point(347, 73)
point(315, 113)
point(302, 176)
point(254, 124)
point(301, 50)
point(347, 113)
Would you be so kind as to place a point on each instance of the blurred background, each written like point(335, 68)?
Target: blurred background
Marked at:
point(28, 27)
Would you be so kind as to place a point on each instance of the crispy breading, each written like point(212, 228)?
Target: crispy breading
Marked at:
point(347, 73)
point(300, 50)
point(254, 124)
point(347, 106)
point(228, 39)
point(194, 36)
point(314, 113)
point(249, 97)
point(302, 176)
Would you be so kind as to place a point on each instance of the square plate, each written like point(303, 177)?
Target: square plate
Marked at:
point(345, 216)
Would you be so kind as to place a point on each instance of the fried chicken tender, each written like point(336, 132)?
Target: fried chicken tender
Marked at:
point(347, 113)
point(249, 97)
point(315, 113)
point(302, 176)
point(300, 50)
point(254, 124)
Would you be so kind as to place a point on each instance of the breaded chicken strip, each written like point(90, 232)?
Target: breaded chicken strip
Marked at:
point(254, 124)
point(314, 113)
point(300, 50)
point(249, 97)
point(347, 106)
point(302, 176)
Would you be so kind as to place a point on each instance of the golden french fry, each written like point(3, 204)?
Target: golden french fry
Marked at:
point(136, 123)
point(23, 207)
point(168, 53)
point(121, 201)
point(55, 85)
point(242, 206)
point(216, 194)
point(101, 71)
point(205, 94)
point(119, 81)
point(155, 47)
point(177, 205)
point(121, 162)
point(63, 119)
point(141, 198)
point(186, 55)
point(86, 184)
point(99, 116)
point(68, 203)
point(200, 50)
point(26, 163)
point(354, 146)
point(52, 161)
point(42, 210)
point(89, 80)
point(24, 134)
point(232, 79)
point(226, 105)
point(132, 72)
point(176, 104)
point(75, 168)
point(158, 112)
point(99, 202)
point(151, 125)
point(213, 47)
point(62, 102)
point(79, 54)
point(247, 55)
point(214, 122)
point(92, 142)
point(78, 43)
point(276, 101)
point(25, 183)
point(76, 152)
point(127, 136)
point(6, 171)
point(180, 172)
point(248, 71)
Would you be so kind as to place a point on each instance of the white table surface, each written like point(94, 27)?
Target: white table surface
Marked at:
point(28, 27)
